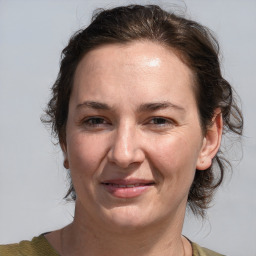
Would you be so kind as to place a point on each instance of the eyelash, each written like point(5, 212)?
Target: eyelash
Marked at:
point(92, 121)
point(166, 121)
point(99, 122)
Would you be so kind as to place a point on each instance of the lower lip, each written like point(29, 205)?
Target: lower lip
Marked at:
point(126, 192)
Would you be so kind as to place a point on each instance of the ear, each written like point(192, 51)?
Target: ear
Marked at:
point(64, 150)
point(211, 142)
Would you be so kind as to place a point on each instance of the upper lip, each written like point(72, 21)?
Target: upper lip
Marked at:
point(128, 181)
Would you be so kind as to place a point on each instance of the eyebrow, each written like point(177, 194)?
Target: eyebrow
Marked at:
point(146, 107)
point(94, 105)
point(158, 106)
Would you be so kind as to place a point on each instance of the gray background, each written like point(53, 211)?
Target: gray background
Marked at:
point(32, 178)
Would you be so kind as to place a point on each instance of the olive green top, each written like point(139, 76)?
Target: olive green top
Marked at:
point(39, 246)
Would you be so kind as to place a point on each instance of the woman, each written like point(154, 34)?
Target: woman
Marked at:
point(139, 108)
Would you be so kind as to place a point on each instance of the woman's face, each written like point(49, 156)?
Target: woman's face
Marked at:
point(133, 137)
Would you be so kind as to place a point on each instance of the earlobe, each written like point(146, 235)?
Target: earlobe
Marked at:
point(66, 163)
point(211, 142)
point(64, 150)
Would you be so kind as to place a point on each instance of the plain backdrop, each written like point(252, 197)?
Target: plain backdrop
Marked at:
point(32, 178)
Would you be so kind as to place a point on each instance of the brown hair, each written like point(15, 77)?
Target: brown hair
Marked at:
point(194, 44)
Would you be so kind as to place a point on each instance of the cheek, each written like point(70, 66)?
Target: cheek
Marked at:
point(85, 154)
point(175, 156)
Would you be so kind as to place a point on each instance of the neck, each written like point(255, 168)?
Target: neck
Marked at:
point(87, 237)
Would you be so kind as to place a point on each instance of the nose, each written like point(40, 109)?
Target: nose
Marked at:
point(126, 148)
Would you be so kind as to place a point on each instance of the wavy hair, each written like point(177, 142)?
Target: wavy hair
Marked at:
point(196, 47)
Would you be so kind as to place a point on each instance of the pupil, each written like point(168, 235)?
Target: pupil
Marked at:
point(96, 121)
point(159, 121)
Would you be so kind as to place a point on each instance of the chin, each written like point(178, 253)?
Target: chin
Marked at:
point(127, 217)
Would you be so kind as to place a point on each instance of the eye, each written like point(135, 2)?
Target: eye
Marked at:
point(158, 120)
point(161, 122)
point(95, 122)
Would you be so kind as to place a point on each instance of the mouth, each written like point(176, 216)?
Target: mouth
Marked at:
point(128, 185)
point(127, 188)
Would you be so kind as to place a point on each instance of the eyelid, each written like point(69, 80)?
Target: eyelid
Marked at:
point(86, 121)
point(168, 121)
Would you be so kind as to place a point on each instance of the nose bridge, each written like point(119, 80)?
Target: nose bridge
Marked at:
point(125, 146)
point(125, 136)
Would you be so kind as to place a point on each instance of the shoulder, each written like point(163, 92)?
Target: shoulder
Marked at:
point(38, 246)
point(201, 251)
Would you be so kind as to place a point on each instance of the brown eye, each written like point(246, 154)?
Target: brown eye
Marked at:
point(94, 121)
point(160, 121)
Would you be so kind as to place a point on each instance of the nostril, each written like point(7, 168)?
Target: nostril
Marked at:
point(122, 158)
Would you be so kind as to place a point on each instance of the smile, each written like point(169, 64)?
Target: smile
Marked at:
point(126, 186)
point(126, 189)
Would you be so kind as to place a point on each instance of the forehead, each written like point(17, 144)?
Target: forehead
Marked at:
point(145, 54)
point(144, 67)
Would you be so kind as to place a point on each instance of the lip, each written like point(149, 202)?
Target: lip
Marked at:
point(127, 188)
